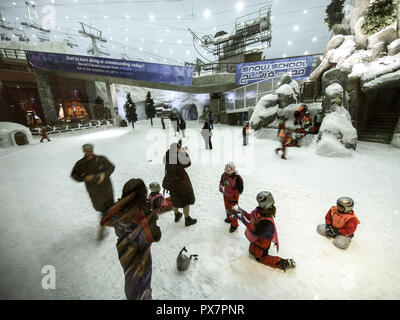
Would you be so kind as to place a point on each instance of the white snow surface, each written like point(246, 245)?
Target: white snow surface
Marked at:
point(48, 219)
point(7, 131)
point(338, 123)
point(345, 50)
point(287, 90)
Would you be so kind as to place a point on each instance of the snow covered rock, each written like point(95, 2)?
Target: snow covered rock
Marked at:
point(394, 47)
point(14, 134)
point(333, 98)
point(360, 37)
point(386, 80)
point(379, 50)
point(386, 35)
point(323, 66)
point(285, 79)
point(345, 50)
point(264, 112)
point(286, 95)
point(358, 56)
point(335, 42)
point(336, 75)
point(329, 146)
point(336, 124)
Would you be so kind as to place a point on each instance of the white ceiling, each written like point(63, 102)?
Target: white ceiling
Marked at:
point(165, 38)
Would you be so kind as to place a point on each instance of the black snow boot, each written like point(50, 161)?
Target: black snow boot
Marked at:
point(101, 233)
point(232, 229)
point(283, 157)
point(285, 264)
point(227, 220)
point(189, 221)
point(178, 216)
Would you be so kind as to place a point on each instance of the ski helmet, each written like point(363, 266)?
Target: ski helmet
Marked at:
point(265, 199)
point(154, 187)
point(230, 168)
point(183, 261)
point(345, 204)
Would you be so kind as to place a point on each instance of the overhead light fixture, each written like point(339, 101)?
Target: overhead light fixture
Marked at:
point(178, 17)
point(284, 55)
point(160, 40)
point(179, 41)
point(239, 6)
point(296, 28)
point(171, 51)
point(305, 11)
point(167, 30)
point(305, 52)
point(289, 43)
point(105, 17)
point(152, 17)
point(187, 52)
point(142, 40)
point(127, 16)
point(314, 39)
point(207, 13)
point(140, 49)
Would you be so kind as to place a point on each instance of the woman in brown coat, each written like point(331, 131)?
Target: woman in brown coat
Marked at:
point(177, 182)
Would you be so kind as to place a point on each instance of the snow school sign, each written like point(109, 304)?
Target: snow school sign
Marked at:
point(248, 73)
point(135, 70)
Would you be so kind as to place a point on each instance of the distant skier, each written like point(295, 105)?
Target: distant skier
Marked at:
point(287, 140)
point(261, 231)
point(156, 200)
point(317, 122)
point(245, 134)
point(282, 124)
point(182, 126)
point(174, 123)
point(43, 133)
point(231, 186)
point(95, 171)
point(340, 223)
point(136, 229)
point(177, 182)
point(162, 122)
point(306, 124)
point(206, 133)
point(299, 114)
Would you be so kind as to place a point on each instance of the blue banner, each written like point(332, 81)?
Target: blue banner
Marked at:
point(135, 70)
point(251, 72)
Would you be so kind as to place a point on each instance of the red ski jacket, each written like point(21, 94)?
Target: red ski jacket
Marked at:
point(346, 223)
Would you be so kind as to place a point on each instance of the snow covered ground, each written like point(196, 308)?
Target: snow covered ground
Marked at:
point(47, 219)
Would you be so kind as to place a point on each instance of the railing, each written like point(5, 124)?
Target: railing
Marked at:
point(13, 54)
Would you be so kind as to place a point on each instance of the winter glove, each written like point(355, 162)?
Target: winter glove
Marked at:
point(221, 189)
point(331, 232)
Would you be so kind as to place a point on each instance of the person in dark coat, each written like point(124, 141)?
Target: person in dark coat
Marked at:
point(182, 126)
point(162, 122)
point(211, 120)
point(136, 228)
point(177, 181)
point(206, 132)
point(174, 123)
point(245, 134)
point(95, 171)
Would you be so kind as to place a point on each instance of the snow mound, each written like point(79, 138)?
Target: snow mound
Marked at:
point(396, 140)
point(345, 50)
point(334, 89)
point(286, 90)
point(14, 134)
point(338, 124)
point(329, 146)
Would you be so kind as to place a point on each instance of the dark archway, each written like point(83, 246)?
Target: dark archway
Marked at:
point(20, 138)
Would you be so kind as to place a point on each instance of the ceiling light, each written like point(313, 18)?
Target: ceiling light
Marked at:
point(155, 50)
point(127, 16)
point(314, 39)
point(305, 52)
point(207, 13)
point(178, 17)
point(105, 17)
point(296, 28)
point(187, 52)
point(284, 55)
point(66, 17)
point(239, 6)
point(140, 49)
point(14, 4)
point(152, 17)
point(171, 51)
point(126, 39)
point(167, 30)
point(160, 40)
point(289, 43)
point(142, 40)
point(16, 18)
point(305, 11)
point(215, 28)
point(126, 29)
point(179, 41)
point(272, 17)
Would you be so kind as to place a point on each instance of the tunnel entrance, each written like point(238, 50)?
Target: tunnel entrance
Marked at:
point(20, 138)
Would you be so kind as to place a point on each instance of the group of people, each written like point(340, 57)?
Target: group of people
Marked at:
point(290, 137)
point(177, 123)
point(134, 216)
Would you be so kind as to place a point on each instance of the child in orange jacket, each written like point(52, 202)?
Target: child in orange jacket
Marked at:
point(340, 223)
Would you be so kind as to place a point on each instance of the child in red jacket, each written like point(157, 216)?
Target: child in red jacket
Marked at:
point(261, 232)
point(231, 186)
point(341, 223)
point(157, 202)
point(43, 133)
